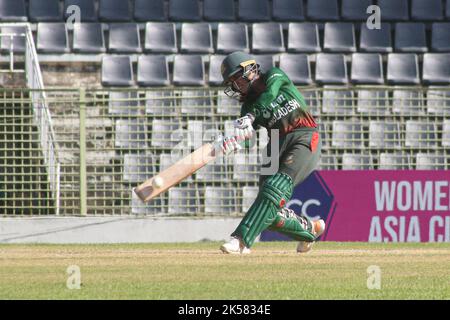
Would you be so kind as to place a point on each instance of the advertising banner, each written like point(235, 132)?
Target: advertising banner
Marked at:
point(376, 205)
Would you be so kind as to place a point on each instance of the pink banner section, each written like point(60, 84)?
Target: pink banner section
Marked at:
point(383, 206)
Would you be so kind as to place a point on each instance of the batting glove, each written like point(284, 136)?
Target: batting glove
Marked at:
point(243, 127)
point(227, 145)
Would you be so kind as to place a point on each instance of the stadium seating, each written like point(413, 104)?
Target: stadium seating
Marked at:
point(183, 201)
point(384, 135)
point(130, 134)
point(347, 134)
point(232, 37)
point(339, 37)
point(215, 77)
point(328, 162)
point(184, 10)
point(394, 10)
point(145, 10)
point(44, 11)
point(436, 68)
point(18, 42)
point(438, 100)
point(218, 10)
point(367, 68)
point(331, 69)
point(164, 133)
point(410, 37)
point(267, 38)
point(430, 161)
point(245, 167)
point(322, 10)
point(303, 37)
point(52, 37)
point(124, 38)
point(117, 71)
point(220, 200)
point(87, 9)
point(196, 38)
point(287, 10)
point(446, 133)
point(297, 67)
point(13, 10)
point(188, 70)
point(215, 171)
point(249, 195)
point(356, 161)
point(114, 11)
point(88, 38)
point(355, 10)
point(403, 68)
point(376, 40)
point(160, 38)
point(266, 61)
point(439, 37)
point(394, 161)
point(426, 10)
point(254, 10)
point(137, 167)
point(153, 70)
point(160, 103)
point(420, 135)
point(123, 103)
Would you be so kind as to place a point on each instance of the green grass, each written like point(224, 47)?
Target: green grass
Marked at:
point(200, 271)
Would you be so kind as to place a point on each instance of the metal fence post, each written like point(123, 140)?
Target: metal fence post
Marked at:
point(83, 179)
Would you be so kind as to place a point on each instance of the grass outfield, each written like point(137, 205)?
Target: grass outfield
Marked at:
point(200, 271)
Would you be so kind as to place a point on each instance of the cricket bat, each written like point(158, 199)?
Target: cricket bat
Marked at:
point(176, 173)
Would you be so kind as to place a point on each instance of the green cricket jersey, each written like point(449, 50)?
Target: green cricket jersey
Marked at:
point(280, 106)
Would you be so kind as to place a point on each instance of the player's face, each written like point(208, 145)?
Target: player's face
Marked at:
point(239, 84)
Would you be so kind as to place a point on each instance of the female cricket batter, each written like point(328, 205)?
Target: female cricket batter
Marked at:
point(272, 101)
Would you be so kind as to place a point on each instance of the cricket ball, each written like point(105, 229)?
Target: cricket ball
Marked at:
point(158, 182)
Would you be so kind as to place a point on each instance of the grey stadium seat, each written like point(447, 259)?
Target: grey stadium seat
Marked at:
point(220, 200)
point(130, 134)
point(196, 102)
point(117, 71)
point(88, 38)
point(420, 135)
point(403, 68)
point(337, 100)
point(440, 36)
point(357, 161)
point(297, 67)
point(339, 37)
point(367, 68)
point(384, 134)
point(196, 38)
point(184, 10)
point(427, 10)
point(215, 77)
point(245, 167)
point(445, 142)
point(287, 10)
point(394, 10)
point(18, 41)
point(373, 102)
point(407, 102)
point(183, 200)
point(303, 37)
point(188, 70)
point(410, 37)
point(313, 101)
point(267, 38)
point(447, 10)
point(254, 10)
point(87, 9)
point(44, 10)
point(13, 10)
point(436, 68)
point(323, 10)
point(355, 10)
point(114, 11)
point(153, 71)
point(218, 10)
point(331, 69)
point(160, 102)
point(232, 37)
point(124, 38)
point(266, 61)
point(375, 40)
point(430, 161)
point(394, 161)
point(52, 37)
point(123, 103)
point(249, 195)
point(214, 171)
point(347, 134)
point(160, 37)
point(164, 133)
point(145, 10)
point(438, 100)
point(138, 167)
point(227, 105)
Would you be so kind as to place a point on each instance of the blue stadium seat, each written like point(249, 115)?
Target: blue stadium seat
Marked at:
point(232, 37)
point(184, 10)
point(394, 10)
point(215, 77)
point(183, 200)
point(438, 100)
point(376, 40)
point(188, 70)
point(407, 102)
point(130, 134)
point(367, 68)
point(427, 10)
point(138, 167)
point(331, 69)
point(88, 38)
point(440, 36)
point(445, 142)
point(52, 37)
point(384, 134)
point(218, 10)
point(373, 102)
point(420, 134)
point(297, 67)
point(339, 37)
point(145, 10)
point(196, 38)
point(164, 133)
point(287, 10)
point(160, 37)
point(196, 102)
point(431, 161)
point(254, 10)
point(347, 134)
point(394, 161)
point(153, 70)
point(160, 102)
point(355, 10)
point(266, 61)
point(403, 68)
point(87, 9)
point(18, 41)
point(13, 11)
point(337, 100)
point(44, 10)
point(124, 38)
point(267, 38)
point(447, 10)
point(117, 71)
point(303, 37)
point(220, 200)
point(410, 37)
point(436, 68)
point(114, 11)
point(323, 10)
point(123, 103)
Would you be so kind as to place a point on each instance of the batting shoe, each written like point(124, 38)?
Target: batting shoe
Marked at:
point(318, 229)
point(235, 246)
